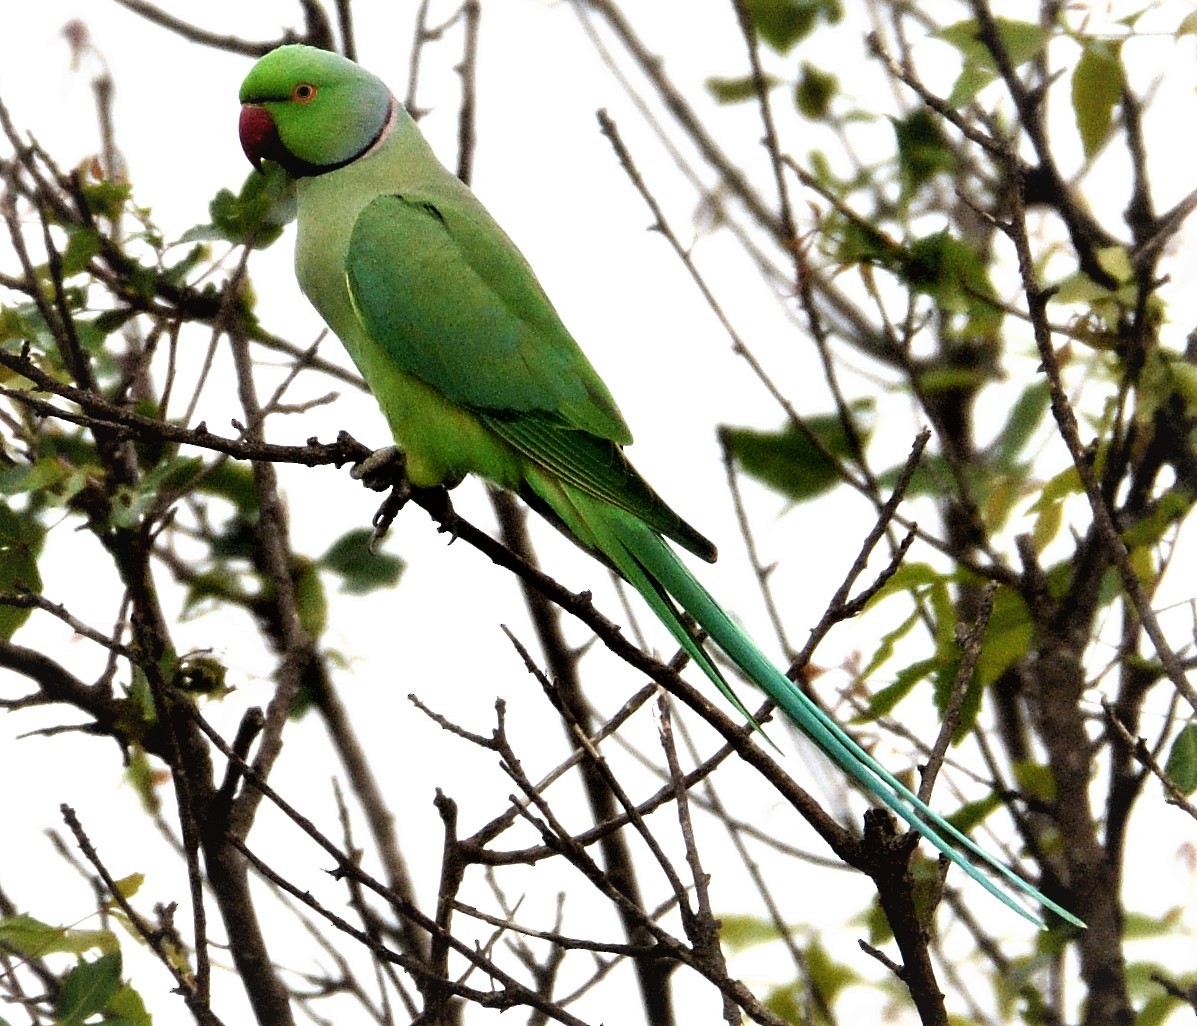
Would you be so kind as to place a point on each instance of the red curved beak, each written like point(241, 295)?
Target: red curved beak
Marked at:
point(259, 134)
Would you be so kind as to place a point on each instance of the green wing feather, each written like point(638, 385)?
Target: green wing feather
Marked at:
point(451, 301)
point(437, 283)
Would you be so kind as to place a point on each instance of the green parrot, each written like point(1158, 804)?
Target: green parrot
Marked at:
point(476, 374)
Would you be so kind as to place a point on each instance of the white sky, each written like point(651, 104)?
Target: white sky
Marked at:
point(551, 180)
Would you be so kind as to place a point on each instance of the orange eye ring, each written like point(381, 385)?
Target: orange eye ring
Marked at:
point(304, 92)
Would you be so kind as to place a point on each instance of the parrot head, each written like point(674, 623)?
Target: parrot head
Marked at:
point(311, 111)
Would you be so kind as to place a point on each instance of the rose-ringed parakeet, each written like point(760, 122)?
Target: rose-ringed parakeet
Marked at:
point(476, 374)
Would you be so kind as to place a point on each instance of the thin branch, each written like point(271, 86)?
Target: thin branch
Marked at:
point(316, 34)
point(196, 1001)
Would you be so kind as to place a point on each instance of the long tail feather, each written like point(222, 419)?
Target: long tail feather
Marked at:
point(658, 574)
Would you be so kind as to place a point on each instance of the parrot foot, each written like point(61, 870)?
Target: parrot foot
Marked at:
point(386, 513)
point(435, 500)
point(383, 469)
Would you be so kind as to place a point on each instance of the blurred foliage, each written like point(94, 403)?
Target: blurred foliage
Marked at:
point(800, 462)
point(87, 990)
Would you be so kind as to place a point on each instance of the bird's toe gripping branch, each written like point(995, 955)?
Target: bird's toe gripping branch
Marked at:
point(386, 470)
point(383, 470)
point(385, 515)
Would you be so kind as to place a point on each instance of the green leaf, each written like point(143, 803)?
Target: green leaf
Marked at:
point(1097, 84)
point(924, 150)
point(361, 571)
point(928, 884)
point(739, 931)
point(1116, 262)
point(1025, 417)
point(999, 497)
point(131, 503)
point(944, 684)
point(82, 245)
point(857, 243)
point(736, 90)
point(885, 648)
point(128, 1005)
point(955, 276)
point(1156, 1010)
point(808, 1000)
point(1021, 40)
point(878, 925)
point(905, 679)
point(12, 328)
point(1047, 526)
point(93, 340)
point(32, 477)
point(1171, 508)
point(1182, 760)
point(221, 585)
point(1007, 636)
point(782, 23)
point(1065, 483)
point(788, 461)
point(826, 976)
point(933, 476)
point(21, 538)
point(972, 79)
point(87, 988)
point(127, 886)
point(937, 379)
point(175, 474)
point(912, 577)
point(31, 938)
point(1079, 289)
point(23, 323)
point(1184, 380)
point(177, 272)
point(1049, 507)
point(140, 776)
point(1036, 779)
point(971, 814)
point(255, 216)
point(1016, 985)
point(1142, 978)
point(113, 320)
point(107, 199)
point(1138, 926)
point(139, 710)
point(790, 1003)
point(233, 482)
point(311, 603)
point(814, 92)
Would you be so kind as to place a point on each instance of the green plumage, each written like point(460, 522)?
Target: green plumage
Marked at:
point(476, 374)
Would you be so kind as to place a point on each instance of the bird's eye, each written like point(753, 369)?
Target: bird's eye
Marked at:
point(305, 92)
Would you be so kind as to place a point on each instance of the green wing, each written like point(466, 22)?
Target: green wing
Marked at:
point(441, 288)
